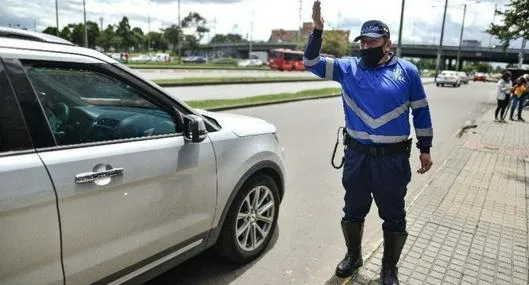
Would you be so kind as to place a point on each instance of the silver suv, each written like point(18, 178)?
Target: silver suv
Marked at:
point(106, 178)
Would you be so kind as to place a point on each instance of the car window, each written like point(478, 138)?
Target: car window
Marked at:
point(84, 106)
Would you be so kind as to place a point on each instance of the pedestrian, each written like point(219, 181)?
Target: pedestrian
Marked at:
point(503, 90)
point(379, 89)
point(519, 91)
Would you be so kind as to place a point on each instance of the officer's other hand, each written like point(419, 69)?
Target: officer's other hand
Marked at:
point(426, 163)
point(316, 15)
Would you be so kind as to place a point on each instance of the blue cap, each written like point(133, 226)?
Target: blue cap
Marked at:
point(373, 29)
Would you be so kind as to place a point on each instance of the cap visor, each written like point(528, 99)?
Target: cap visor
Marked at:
point(368, 35)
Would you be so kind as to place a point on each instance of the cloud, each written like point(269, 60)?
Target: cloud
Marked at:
point(198, 1)
point(422, 22)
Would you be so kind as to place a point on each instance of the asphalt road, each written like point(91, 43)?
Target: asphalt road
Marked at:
point(246, 90)
point(308, 242)
point(182, 73)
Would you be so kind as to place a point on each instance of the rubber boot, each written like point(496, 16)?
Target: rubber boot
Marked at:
point(352, 232)
point(393, 244)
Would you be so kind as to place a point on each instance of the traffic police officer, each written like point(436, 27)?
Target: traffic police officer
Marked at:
point(379, 89)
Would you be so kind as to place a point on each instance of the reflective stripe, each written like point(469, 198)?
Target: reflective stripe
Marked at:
point(329, 68)
point(424, 132)
point(382, 120)
point(375, 138)
point(419, 103)
point(311, 62)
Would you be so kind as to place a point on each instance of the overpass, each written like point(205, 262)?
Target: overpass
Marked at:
point(449, 53)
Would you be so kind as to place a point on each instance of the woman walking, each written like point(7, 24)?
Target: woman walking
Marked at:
point(503, 88)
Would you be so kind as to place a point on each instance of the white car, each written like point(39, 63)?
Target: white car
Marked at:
point(106, 178)
point(140, 58)
point(448, 77)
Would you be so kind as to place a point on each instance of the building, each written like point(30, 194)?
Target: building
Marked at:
point(291, 36)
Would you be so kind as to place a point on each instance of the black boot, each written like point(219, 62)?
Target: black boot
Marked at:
point(352, 232)
point(393, 244)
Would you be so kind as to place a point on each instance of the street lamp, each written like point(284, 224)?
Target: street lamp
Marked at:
point(461, 38)
point(439, 50)
point(85, 30)
point(399, 45)
point(57, 15)
point(179, 35)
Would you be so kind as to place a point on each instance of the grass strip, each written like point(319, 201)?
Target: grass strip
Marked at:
point(195, 66)
point(227, 80)
point(216, 104)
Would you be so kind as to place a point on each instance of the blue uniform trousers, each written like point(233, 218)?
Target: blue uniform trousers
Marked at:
point(384, 178)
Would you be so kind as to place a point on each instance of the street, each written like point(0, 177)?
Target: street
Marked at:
point(308, 242)
point(182, 73)
point(231, 91)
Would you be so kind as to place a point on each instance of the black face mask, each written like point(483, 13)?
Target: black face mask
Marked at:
point(372, 56)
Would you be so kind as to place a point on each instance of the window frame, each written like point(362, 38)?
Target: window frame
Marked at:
point(44, 139)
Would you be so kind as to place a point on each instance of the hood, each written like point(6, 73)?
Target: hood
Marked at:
point(239, 124)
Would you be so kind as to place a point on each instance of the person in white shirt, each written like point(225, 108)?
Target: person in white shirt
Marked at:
point(503, 90)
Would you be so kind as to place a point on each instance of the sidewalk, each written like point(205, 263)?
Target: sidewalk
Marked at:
point(469, 226)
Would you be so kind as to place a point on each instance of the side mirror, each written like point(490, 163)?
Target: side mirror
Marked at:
point(194, 129)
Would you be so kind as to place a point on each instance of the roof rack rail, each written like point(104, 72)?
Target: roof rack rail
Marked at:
point(32, 36)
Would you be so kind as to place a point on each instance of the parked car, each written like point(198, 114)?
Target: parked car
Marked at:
point(250, 62)
point(448, 77)
point(480, 76)
point(194, 59)
point(140, 58)
point(463, 77)
point(106, 178)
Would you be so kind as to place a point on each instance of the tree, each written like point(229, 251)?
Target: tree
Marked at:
point(108, 39)
point(229, 38)
point(124, 31)
point(66, 33)
point(172, 35)
point(139, 38)
point(51, 31)
point(194, 20)
point(515, 22)
point(335, 43)
point(158, 42)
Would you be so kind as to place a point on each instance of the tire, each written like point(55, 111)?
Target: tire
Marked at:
point(235, 247)
point(438, 84)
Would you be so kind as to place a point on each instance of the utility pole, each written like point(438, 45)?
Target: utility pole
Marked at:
point(300, 24)
point(57, 15)
point(399, 45)
point(35, 24)
point(85, 29)
point(461, 38)
point(101, 23)
point(521, 54)
point(179, 35)
point(250, 38)
point(493, 20)
point(439, 50)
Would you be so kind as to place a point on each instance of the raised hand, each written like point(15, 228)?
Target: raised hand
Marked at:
point(316, 15)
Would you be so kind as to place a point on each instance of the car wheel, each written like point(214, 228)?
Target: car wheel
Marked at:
point(437, 84)
point(251, 220)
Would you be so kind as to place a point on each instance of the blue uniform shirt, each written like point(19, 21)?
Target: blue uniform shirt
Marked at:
point(376, 100)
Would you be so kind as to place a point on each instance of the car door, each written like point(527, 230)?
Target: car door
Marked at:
point(131, 190)
point(29, 223)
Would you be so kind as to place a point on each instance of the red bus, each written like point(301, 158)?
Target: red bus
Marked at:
point(287, 59)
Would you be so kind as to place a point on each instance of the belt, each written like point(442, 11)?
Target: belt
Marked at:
point(379, 149)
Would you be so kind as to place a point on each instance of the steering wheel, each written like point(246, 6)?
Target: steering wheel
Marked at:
point(58, 115)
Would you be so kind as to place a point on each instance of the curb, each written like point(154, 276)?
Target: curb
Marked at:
point(271, 103)
point(309, 79)
point(277, 102)
point(195, 68)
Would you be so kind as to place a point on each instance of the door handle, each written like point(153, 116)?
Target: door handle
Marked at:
point(89, 177)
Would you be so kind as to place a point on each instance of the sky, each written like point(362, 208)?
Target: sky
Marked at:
point(256, 18)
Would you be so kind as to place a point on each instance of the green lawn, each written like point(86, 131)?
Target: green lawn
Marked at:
point(264, 99)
